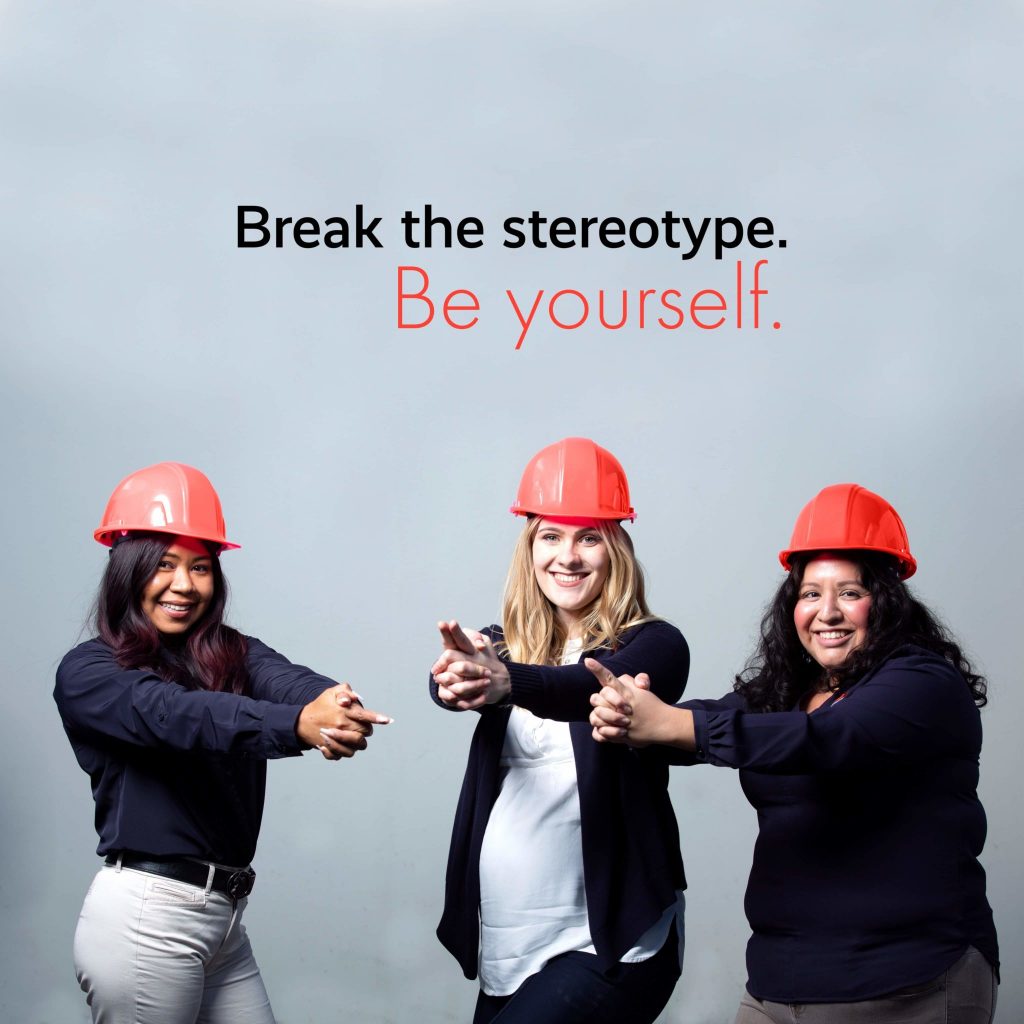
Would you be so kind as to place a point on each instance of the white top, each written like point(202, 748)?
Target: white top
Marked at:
point(533, 905)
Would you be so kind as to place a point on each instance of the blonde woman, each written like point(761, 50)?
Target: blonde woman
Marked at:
point(564, 882)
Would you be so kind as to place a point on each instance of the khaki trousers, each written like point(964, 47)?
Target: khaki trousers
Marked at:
point(152, 950)
point(965, 994)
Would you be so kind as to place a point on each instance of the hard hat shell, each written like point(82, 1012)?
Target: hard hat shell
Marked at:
point(166, 498)
point(574, 478)
point(848, 517)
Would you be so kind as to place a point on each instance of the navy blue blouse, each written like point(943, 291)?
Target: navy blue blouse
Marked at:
point(178, 772)
point(865, 876)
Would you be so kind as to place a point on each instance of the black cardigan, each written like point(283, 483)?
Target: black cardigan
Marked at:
point(631, 861)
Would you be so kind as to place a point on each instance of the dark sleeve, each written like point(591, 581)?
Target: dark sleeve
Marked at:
point(677, 756)
point(914, 708)
point(273, 677)
point(97, 697)
point(562, 692)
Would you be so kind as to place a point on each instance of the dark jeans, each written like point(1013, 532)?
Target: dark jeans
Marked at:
point(572, 990)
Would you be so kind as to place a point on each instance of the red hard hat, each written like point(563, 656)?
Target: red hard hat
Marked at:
point(848, 517)
point(166, 498)
point(574, 478)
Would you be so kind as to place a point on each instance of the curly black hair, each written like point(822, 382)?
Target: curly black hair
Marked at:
point(780, 672)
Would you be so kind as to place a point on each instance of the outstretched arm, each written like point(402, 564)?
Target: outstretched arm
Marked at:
point(133, 706)
point(915, 707)
point(562, 692)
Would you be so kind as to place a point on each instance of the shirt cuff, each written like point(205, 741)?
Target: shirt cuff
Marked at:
point(700, 735)
point(526, 684)
point(279, 736)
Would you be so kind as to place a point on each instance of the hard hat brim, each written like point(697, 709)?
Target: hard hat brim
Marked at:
point(907, 562)
point(106, 536)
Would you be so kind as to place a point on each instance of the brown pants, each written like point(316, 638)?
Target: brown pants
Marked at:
point(965, 994)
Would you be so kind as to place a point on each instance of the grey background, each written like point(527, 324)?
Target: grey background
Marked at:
point(367, 471)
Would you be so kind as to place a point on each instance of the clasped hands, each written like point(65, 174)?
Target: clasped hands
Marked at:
point(615, 703)
point(337, 724)
point(468, 672)
point(625, 711)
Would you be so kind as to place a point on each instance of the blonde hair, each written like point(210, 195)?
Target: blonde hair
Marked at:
point(534, 634)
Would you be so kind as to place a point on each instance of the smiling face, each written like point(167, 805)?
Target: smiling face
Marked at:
point(179, 592)
point(571, 564)
point(832, 608)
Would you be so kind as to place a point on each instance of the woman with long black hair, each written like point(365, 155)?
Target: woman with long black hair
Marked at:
point(857, 734)
point(173, 715)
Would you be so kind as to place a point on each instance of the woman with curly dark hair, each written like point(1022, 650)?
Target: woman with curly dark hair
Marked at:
point(174, 715)
point(856, 730)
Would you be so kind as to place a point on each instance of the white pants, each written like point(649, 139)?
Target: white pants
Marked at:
point(152, 950)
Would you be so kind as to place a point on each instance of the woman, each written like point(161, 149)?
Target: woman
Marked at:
point(173, 715)
point(564, 883)
point(857, 734)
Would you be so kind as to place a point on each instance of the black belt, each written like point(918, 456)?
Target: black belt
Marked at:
point(234, 882)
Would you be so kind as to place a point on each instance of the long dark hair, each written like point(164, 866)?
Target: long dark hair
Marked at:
point(780, 672)
point(211, 656)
